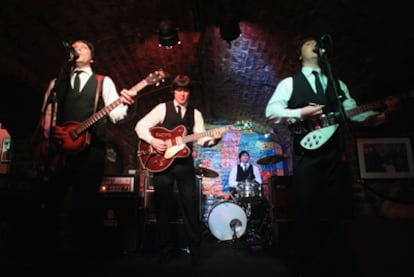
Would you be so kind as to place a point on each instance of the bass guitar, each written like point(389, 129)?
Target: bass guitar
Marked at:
point(77, 140)
point(176, 140)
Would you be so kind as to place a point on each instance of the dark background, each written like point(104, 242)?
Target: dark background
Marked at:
point(372, 53)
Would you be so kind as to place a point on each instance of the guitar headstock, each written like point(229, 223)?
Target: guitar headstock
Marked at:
point(242, 125)
point(157, 77)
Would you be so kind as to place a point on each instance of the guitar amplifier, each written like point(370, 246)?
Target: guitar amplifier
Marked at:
point(118, 184)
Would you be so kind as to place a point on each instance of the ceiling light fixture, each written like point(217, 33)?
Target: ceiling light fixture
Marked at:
point(229, 28)
point(167, 34)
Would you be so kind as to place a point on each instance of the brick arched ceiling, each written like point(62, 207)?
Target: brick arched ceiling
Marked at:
point(372, 42)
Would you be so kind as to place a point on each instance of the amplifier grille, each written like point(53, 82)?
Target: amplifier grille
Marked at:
point(114, 184)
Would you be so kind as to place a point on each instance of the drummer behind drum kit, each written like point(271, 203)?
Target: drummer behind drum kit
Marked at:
point(229, 219)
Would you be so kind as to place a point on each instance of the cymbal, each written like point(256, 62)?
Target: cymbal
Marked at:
point(205, 172)
point(272, 159)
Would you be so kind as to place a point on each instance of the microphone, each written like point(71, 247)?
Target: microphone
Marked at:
point(320, 44)
point(70, 50)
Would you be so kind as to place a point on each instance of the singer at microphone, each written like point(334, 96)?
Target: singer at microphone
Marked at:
point(320, 45)
point(73, 54)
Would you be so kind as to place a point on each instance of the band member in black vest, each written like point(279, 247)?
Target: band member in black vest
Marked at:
point(180, 173)
point(320, 175)
point(245, 184)
point(77, 174)
point(244, 171)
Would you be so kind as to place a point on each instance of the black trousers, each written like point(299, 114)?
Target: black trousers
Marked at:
point(72, 199)
point(182, 175)
point(322, 197)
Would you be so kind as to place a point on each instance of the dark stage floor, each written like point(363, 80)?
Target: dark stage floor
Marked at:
point(362, 247)
point(367, 247)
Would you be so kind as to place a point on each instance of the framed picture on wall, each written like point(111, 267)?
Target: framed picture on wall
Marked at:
point(385, 158)
point(5, 150)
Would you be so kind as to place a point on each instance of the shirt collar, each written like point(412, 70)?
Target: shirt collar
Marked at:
point(87, 70)
point(307, 71)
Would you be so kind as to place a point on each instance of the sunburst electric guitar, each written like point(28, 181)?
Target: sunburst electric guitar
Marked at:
point(77, 137)
point(176, 140)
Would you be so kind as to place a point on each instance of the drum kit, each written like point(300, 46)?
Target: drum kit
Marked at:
point(227, 216)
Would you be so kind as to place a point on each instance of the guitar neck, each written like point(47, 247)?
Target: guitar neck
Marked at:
point(363, 108)
point(210, 133)
point(107, 109)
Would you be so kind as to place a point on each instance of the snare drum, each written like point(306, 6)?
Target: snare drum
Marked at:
point(248, 191)
point(227, 220)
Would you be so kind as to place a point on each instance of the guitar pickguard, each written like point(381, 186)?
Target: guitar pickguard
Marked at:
point(315, 139)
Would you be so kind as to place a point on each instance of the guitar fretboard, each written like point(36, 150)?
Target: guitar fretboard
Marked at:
point(363, 108)
point(194, 137)
point(106, 110)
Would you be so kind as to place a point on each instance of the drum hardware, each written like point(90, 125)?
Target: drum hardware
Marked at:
point(227, 221)
point(205, 172)
point(272, 159)
point(233, 224)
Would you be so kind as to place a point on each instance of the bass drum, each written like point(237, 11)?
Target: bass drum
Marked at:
point(227, 221)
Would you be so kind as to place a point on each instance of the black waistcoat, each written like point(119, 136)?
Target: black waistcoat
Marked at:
point(302, 95)
point(77, 107)
point(172, 119)
point(244, 175)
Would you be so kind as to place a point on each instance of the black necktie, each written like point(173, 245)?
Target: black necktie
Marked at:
point(179, 111)
point(76, 83)
point(318, 85)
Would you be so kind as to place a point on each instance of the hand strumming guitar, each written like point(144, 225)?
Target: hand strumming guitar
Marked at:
point(311, 111)
point(60, 134)
point(159, 145)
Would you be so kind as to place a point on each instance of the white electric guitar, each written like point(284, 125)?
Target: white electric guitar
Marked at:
point(320, 130)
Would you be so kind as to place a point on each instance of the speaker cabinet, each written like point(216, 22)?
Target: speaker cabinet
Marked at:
point(119, 222)
point(281, 197)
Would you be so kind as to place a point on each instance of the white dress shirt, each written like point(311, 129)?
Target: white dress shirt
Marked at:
point(277, 105)
point(156, 117)
point(109, 95)
point(233, 175)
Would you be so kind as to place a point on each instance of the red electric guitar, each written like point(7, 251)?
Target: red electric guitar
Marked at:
point(76, 140)
point(77, 137)
point(176, 140)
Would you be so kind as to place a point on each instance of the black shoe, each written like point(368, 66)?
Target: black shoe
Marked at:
point(195, 256)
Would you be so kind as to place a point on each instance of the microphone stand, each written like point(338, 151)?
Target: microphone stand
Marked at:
point(51, 100)
point(323, 57)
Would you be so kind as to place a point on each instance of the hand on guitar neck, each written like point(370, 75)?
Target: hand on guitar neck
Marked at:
point(393, 104)
point(127, 96)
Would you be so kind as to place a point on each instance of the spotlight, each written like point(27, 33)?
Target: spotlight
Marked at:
point(167, 34)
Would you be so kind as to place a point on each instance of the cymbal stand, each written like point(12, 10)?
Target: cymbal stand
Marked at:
point(200, 196)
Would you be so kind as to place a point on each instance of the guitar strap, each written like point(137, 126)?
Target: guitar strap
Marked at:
point(99, 79)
